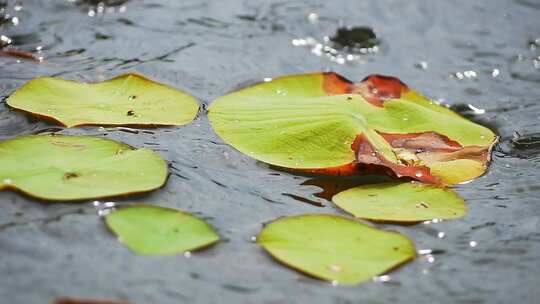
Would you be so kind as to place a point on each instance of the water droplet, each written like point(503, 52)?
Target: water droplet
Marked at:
point(253, 239)
point(334, 268)
point(419, 174)
point(187, 254)
point(132, 97)
point(421, 65)
point(313, 18)
point(473, 244)
point(267, 79)
point(335, 283)
point(441, 235)
point(430, 258)
point(7, 181)
point(495, 73)
point(381, 279)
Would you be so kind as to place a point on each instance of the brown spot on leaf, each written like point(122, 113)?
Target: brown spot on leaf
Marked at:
point(422, 142)
point(70, 175)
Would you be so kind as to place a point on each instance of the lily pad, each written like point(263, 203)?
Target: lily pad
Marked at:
point(401, 202)
point(152, 230)
point(128, 99)
point(63, 168)
point(324, 123)
point(335, 248)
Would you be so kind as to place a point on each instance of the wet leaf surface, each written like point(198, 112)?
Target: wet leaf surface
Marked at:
point(152, 230)
point(401, 202)
point(64, 168)
point(335, 248)
point(323, 123)
point(128, 99)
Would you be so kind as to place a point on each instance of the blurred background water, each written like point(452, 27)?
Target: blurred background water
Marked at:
point(480, 57)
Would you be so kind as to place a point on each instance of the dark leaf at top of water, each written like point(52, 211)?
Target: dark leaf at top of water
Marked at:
point(360, 37)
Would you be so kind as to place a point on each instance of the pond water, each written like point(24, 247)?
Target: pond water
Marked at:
point(480, 57)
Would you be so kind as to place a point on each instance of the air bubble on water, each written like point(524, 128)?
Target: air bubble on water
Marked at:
point(421, 65)
point(267, 79)
point(441, 235)
point(473, 244)
point(335, 283)
point(253, 239)
point(187, 254)
point(313, 18)
point(495, 73)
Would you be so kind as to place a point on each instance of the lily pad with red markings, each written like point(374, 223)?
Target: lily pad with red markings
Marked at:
point(128, 99)
point(324, 123)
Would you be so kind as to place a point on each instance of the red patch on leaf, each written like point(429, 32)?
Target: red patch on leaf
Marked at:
point(422, 142)
point(366, 154)
point(334, 84)
point(377, 88)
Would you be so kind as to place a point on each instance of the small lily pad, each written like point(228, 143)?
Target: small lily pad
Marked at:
point(401, 202)
point(335, 248)
point(63, 168)
point(323, 123)
point(128, 99)
point(153, 230)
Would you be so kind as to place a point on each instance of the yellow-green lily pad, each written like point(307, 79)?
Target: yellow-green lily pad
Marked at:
point(128, 99)
point(324, 123)
point(401, 202)
point(64, 168)
point(153, 230)
point(335, 248)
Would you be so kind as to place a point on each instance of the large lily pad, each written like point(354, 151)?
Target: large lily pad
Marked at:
point(128, 99)
point(152, 230)
point(60, 167)
point(335, 248)
point(324, 123)
point(401, 202)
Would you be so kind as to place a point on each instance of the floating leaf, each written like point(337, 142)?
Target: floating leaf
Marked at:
point(401, 202)
point(335, 248)
point(128, 99)
point(152, 230)
point(60, 167)
point(323, 123)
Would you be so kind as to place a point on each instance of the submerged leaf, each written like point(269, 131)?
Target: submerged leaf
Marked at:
point(401, 202)
point(128, 99)
point(323, 123)
point(335, 248)
point(152, 230)
point(61, 167)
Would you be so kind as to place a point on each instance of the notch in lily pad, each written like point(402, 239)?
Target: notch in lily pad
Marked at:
point(153, 230)
point(335, 248)
point(128, 99)
point(323, 123)
point(66, 168)
point(410, 202)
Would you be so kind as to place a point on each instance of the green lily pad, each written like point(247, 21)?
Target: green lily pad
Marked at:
point(401, 202)
point(335, 248)
point(152, 230)
point(323, 123)
point(128, 99)
point(63, 168)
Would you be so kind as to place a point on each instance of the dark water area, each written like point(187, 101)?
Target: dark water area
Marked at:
point(480, 57)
